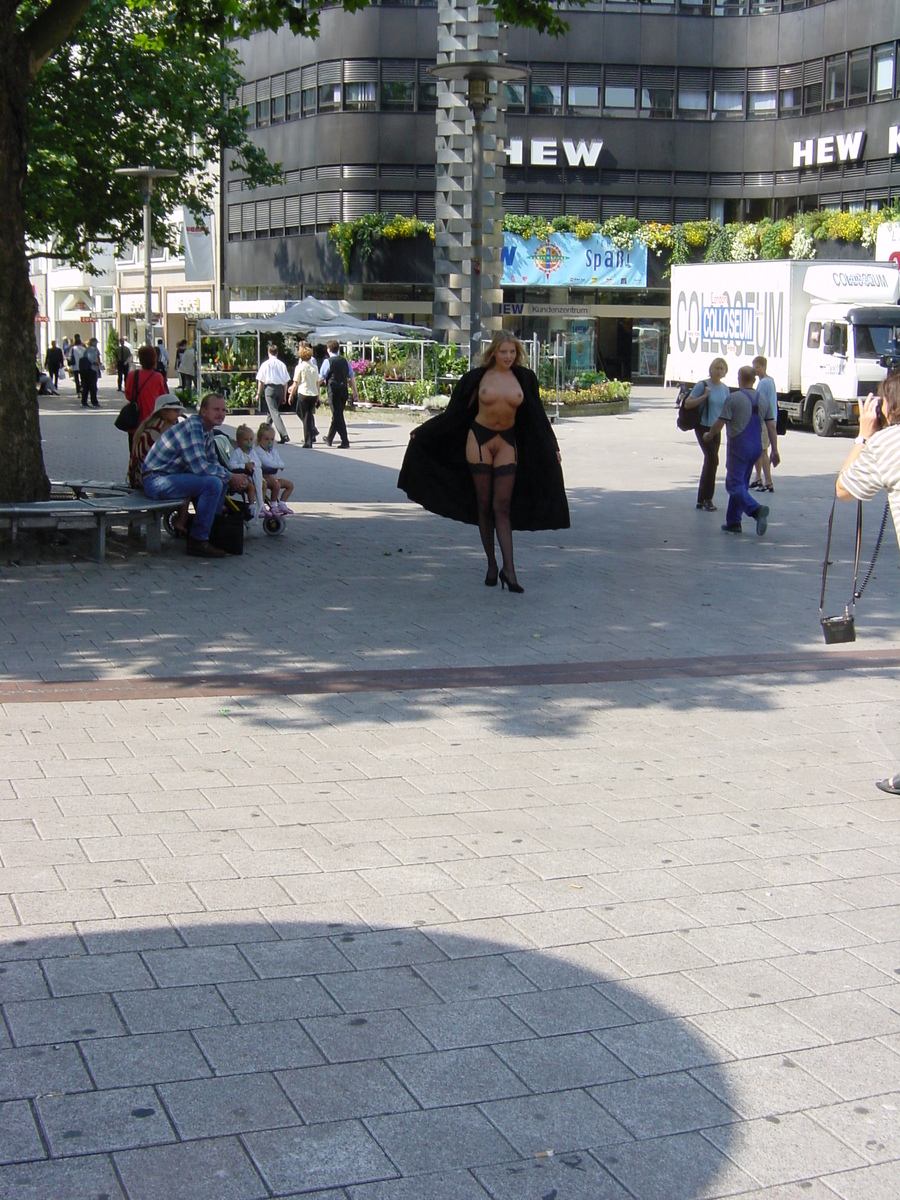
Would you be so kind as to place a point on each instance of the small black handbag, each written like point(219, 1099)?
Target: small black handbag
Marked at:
point(842, 628)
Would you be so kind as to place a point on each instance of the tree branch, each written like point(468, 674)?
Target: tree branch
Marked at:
point(49, 30)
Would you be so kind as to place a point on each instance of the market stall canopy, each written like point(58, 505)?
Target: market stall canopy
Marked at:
point(319, 320)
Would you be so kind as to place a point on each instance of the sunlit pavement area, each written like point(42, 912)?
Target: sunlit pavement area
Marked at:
point(331, 871)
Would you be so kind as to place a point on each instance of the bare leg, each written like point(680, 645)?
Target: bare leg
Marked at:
point(481, 477)
point(504, 482)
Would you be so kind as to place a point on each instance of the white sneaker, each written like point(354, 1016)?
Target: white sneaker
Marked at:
point(283, 509)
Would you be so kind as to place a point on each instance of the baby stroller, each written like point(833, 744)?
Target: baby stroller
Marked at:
point(272, 523)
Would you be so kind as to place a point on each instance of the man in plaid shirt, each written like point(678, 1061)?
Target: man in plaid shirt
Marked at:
point(183, 463)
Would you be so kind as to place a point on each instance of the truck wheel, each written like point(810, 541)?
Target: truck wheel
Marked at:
point(822, 421)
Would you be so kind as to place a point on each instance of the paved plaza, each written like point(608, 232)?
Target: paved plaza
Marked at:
point(328, 871)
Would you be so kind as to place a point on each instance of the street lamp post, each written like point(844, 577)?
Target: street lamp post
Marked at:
point(478, 76)
point(147, 174)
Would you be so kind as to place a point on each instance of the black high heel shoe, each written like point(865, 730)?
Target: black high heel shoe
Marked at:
point(489, 579)
point(513, 587)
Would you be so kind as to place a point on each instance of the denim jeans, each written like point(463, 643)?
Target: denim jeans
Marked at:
point(207, 492)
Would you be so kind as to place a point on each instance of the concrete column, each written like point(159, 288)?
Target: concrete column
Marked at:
point(466, 31)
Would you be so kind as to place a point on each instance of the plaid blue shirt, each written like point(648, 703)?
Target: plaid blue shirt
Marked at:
point(185, 449)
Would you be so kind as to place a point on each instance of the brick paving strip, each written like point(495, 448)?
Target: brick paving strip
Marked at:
point(309, 683)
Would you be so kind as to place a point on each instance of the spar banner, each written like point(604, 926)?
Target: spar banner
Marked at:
point(563, 260)
point(198, 248)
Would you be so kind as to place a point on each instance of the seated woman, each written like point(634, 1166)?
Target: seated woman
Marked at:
point(491, 458)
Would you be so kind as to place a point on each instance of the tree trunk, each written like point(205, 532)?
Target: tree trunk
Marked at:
point(22, 476)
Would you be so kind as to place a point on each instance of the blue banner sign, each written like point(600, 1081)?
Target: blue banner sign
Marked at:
point(563, 260)
point(728, 324)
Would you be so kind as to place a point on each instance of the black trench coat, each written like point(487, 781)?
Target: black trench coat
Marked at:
point(436, 475)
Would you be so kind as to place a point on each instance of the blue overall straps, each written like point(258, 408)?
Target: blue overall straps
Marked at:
point(743, 452)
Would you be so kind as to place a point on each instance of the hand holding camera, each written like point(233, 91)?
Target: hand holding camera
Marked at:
point(871, 416)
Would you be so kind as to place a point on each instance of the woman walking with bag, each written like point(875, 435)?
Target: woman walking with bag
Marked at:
point(306, 390)
point(711, 394)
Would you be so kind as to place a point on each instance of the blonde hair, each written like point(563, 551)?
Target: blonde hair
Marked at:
point(499, 339)
point(264, 428)
point(720, 364)
point(243, 429)
point(305, 352)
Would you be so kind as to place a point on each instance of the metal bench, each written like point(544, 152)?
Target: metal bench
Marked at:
point(88, 509)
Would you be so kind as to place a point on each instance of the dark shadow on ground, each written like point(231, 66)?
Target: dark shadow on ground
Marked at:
point(224, 1060)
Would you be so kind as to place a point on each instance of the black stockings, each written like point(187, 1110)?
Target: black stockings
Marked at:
point(493, 491)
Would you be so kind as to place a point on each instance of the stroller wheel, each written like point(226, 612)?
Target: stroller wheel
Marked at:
point(274, 526)
point(169, 522)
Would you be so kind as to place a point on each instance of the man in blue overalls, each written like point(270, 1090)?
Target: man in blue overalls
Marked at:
point(740, 416)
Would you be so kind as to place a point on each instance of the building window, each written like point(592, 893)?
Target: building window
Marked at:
point(620, 89)
point(329, 99)
point(813, 74)
point(584, 97)
point(398, 84)
point(427, 100)
point(515, 96)
point(293, 106)
point(546, 98)
point(657, 92)
point(883, 71)
point(835, 80)
point(359, 97)
point(858, 78)
point(277, 110)
point(762, 104)
point(728, 94)
point(693, 93)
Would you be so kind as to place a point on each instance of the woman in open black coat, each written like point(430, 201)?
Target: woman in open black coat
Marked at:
point(437, 475)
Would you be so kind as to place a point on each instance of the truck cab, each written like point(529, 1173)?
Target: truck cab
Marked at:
point(847, 352)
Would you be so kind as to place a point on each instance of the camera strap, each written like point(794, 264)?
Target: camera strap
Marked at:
point(857, 592)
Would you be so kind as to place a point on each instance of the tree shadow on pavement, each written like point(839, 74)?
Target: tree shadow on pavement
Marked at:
point(242, 1060)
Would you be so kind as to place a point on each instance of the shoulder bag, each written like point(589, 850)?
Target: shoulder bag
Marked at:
point(842, 628)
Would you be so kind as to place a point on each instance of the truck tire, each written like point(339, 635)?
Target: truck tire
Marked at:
point(822, 421)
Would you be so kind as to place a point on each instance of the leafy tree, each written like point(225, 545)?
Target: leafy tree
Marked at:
point(79, 71)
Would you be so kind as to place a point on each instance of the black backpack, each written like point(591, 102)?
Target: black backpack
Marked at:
point(687, 418)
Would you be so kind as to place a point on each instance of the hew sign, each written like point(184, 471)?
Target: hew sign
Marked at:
point(544, 152)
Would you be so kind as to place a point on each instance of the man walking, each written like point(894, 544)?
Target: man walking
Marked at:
point(54, 362)
point(337, 374)
point(740, 416)
point(271, 379)
point(183, 463)
point(77, 355)
point(767, 399)
point(124, 360)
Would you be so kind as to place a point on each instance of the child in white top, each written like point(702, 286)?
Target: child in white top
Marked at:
point(275, 487)
point(242, 458)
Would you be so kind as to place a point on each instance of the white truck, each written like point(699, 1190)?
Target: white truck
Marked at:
point(830, 330)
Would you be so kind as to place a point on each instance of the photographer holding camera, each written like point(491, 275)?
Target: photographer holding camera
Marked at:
point(873, 464)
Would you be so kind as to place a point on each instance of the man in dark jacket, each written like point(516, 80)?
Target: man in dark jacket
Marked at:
point(338, 375)
point(54, 363)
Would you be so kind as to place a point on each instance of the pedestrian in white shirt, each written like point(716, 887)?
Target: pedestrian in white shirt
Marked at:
point(271, 378)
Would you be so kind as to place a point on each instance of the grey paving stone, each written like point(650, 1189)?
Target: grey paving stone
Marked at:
point(173, 1008)
point(388, 948)
point(97, 973)
point(765, 1087)
point(567, 1010)
point(439, 1140)
point(270, 1046)
point(233, 1104)
point(147, 1058)
point(126, 934)
point(304, 956)
point(319, 1156)
point(468, 1023)
point(681, 1167)
point(345, 1091)
point(654, 1047)
point(749, 1032)
point(867, 1183)
point(570, 1176)
point(40, 1022)
point(348, 1038)
point(871, 1129)
point(120, 1119)
point(39, 1069)
point(22, 981)
point(854, 1070)
point(456, 1077)
point(19, 1138)
point(845, 1015)
point(197, 965)
point(385, 987)
point(470, 978)
point(277, 999)
point(446, 1185)
point(786, 1148)
point(190, 1170)
point(662, 1104)
point(74, 1179)
point(556, 1121)
point(556, 1064)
